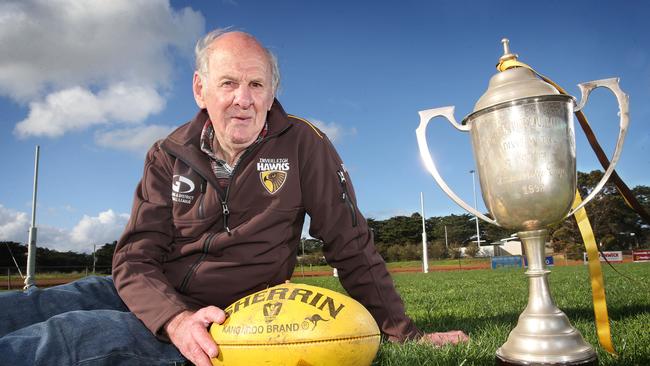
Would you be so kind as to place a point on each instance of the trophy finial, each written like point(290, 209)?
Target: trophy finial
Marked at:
point(506, 51)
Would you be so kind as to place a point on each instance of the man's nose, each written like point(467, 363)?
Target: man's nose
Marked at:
point(243, 96)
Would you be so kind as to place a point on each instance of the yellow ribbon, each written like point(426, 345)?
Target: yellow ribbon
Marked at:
point(595, 271)
point(509, 64)
point(596, 277)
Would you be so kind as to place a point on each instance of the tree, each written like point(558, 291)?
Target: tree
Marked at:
point(472, 250)
point(615, 225)
point(493, 233)
point(9, 249)
point(454, 251)
point(104, 257)
point(311, 246)
point(436, 249)
point(459, 228)
point(54, 260)
point(398, 229)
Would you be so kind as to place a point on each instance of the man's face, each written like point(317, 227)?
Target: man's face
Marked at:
point(237, 90)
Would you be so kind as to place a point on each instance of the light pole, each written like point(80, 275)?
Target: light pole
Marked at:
point(302, 259)
point(478, 234)
point(425, 256)
point(446, 241)
point(30, 280)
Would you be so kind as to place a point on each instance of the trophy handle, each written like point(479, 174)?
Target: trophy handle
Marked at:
point(623, 105)
point(420, 132)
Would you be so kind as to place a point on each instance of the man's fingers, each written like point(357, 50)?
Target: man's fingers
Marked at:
point(210, 314)
point(189, 333)
point(459, 336)
point(198, 357)
point(442, 338)
point(454, 337)
point(205, 341)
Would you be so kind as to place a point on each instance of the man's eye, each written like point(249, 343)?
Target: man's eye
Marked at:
point(227, 83)
point(256, 85)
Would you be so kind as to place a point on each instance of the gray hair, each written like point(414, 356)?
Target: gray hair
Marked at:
point(201, 54)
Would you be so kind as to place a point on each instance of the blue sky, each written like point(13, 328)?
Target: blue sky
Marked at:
point(94, 83)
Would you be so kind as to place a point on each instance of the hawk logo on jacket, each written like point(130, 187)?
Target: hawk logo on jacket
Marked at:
point(273, 173)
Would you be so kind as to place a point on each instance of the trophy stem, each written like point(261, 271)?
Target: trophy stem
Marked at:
point(543, 335)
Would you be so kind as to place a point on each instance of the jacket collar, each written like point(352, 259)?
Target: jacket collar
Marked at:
point(184, 143)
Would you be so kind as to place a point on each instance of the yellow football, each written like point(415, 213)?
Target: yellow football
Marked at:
point(296, 324)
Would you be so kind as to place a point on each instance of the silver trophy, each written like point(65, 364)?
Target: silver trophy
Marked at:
point(524, 146)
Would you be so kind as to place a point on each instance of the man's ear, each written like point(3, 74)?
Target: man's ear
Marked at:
point(197, 88)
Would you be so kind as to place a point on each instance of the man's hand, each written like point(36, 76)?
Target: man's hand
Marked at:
point(443, 338)
point(188, 331)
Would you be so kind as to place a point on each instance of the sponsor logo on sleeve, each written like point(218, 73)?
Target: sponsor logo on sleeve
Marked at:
point(181, 187)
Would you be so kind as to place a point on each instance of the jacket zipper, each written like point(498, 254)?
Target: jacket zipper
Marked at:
point(195, 265)
point(203, 188)
point(225, 212)
point(345, 197)
point(224, 209)
point(224, 204)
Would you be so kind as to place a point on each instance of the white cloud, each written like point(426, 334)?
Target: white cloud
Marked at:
point(77, 108)
point(14, 225)
point(137, 139)
point(53, 45)
point(334, 130)
point(386, 214)
point(104, 228)
point(80, 64)
point(57, 239)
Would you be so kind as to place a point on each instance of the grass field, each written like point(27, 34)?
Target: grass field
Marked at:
point(486, 305)
point(465, 262)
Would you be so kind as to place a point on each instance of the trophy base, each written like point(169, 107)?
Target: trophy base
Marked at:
point(503, 362)
point(544, 335)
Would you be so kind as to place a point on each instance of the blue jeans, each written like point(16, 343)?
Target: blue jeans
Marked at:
point(81, 323)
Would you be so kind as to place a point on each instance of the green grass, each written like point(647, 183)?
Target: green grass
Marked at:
point(464, 262)
point(68, 276)
point(486, 305)
point(48, 275)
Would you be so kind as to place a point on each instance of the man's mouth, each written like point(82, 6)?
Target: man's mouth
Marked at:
point(242, 118)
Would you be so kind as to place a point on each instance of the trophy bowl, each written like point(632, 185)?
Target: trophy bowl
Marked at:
point(525, 156)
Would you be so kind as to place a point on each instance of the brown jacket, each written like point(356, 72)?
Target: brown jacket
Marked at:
point(188, 245)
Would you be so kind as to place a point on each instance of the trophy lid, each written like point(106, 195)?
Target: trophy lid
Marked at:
point(514, 83)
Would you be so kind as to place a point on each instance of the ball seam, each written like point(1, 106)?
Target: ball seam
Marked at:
point(298, 343)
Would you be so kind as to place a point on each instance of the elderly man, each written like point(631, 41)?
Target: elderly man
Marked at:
point(218, 215)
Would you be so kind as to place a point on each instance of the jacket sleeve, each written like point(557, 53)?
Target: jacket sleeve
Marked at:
point(331, 204)
point(140, 252)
